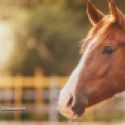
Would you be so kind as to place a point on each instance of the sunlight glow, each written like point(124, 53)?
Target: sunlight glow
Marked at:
point(6, 43)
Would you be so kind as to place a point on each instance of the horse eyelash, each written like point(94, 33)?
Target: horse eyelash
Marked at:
point(108, 50)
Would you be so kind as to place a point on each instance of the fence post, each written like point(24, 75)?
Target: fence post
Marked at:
point(18, 83)
point(123, 104)
point(53, 114)
point(39, 102)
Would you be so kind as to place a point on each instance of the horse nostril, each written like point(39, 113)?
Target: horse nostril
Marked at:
point(69, 104)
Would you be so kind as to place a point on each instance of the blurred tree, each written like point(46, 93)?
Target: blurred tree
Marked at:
point(49, 41)
point(47, 33)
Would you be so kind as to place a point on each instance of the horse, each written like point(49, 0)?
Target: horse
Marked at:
point(100, 73)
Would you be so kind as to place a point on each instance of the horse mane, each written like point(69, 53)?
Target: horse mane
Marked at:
point(106, 28)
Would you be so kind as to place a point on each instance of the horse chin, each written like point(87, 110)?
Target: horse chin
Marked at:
point(78, 113)
point(74, 113)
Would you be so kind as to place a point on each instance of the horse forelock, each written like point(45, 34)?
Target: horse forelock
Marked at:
point(105, 29)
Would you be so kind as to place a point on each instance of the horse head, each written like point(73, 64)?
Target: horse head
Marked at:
point(100, 74)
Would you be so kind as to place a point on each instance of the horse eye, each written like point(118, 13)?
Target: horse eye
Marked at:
point(108, 50)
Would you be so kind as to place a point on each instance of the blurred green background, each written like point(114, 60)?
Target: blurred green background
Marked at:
point(46, 34)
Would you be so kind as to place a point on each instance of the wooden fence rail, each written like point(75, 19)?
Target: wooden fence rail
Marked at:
point(44, 89)
point(35, 81)
point(38, 84)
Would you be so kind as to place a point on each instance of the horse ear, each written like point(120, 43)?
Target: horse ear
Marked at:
point(94, 14)
point(116, 13)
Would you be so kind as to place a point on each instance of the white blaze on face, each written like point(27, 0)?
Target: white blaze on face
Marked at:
point(69, 88)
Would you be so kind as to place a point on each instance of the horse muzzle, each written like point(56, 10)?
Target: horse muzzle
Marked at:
point(71, 106)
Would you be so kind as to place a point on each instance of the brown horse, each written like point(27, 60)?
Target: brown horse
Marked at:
point(100, 73)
